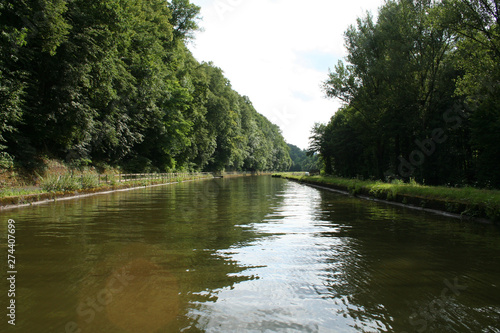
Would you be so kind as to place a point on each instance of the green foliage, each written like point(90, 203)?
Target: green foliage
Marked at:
point(112, 82)
point(475, 23)
point(419, 85)
point(467, 201)
point(6, 161)
point(397, 182)
point(302, 161)
point(52, 24)
point(60, 183)
point(112, 179)
point(88, 181)
point(14, 192)
point(183, 18)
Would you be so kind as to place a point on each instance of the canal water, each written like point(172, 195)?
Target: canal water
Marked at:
point(249, 254)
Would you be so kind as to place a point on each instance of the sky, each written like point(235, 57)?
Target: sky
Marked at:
point(278, 53)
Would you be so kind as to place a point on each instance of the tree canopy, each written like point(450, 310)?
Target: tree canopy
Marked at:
point(302, 161)
point(111, 82)
point(420, 88)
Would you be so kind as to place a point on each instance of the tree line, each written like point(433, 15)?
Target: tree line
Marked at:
point(302, 161)
point(112, 83)
point(421, 94)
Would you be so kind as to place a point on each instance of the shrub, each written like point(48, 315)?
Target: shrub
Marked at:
point(112, 179)
point(6, 161)
point(397, 182)
point(57, 183)
point(89, 181)
point(413, 182)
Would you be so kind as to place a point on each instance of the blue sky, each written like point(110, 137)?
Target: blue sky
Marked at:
point(278, 52)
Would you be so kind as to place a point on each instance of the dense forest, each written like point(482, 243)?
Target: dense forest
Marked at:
point(421, 95)
point(112, 83)
point(302, 160)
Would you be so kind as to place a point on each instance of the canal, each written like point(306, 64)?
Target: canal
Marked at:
point(248, 254)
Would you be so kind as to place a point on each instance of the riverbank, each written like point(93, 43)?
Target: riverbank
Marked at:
point(465, 202)
point(26, 197)
point(84, 185)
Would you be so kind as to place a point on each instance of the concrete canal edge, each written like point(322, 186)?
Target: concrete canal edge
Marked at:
point(432, 205)
point(47, 197)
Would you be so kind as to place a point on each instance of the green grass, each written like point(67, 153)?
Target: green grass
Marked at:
point(14, 192)
point(88, 181)
point(479, 202)
point(65, 182)
point(59, 177)
point(60, 183)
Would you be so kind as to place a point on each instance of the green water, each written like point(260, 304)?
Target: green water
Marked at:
point(252, 254)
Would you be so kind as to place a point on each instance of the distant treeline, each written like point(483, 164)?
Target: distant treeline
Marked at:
point(421, 93)
point(111, 83)
point(302, 161)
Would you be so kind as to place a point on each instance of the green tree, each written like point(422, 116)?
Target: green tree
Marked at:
point(475, 25)
point(301, 161)
point(396, 84)
point(112, 82)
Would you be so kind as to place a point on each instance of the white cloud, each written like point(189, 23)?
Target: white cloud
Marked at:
point(277, 52)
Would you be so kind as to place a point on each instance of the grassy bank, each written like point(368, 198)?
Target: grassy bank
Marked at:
point(467, 201)
point(67, 185)
point(57, 180)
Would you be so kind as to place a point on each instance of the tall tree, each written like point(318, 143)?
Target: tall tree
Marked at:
point(475, 24)
point(398, 85)
point(111, 82)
